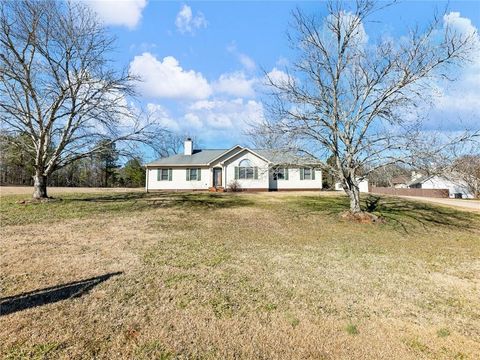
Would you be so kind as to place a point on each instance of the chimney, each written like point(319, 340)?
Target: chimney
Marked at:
point(187, 146)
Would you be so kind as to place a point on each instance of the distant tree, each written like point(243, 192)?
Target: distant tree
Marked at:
point(170, 144)
point(345, 97)
point(16, 160)
point(134, 173)
point(58, 85)
point(328, 178)
point(467, 168)
point(383, 176)
point(108, 157)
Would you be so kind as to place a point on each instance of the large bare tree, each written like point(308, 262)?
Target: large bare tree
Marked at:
point(349, 96)
point(59, 87)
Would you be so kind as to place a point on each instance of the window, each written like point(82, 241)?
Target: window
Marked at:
point(307, 174)
point(164, 175)
point(194, 174)
point(246, 171)
point(245, 163)
point(280, 174)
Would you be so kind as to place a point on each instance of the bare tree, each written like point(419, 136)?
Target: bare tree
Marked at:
point(467, 168)
point(58, 86)
point(350, 97)
point(171, 143)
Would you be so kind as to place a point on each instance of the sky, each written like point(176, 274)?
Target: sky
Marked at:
point(202, 63)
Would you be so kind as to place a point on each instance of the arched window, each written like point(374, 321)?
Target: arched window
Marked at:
point(245, 170)
point(245, 163)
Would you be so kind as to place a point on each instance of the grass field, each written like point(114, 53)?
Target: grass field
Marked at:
point(117, 275)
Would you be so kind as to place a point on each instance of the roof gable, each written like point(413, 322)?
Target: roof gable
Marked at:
point(247, 150)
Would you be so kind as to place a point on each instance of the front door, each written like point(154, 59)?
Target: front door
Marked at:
point(217, 177)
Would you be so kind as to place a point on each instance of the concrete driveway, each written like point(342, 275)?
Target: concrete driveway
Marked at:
point(470, 205)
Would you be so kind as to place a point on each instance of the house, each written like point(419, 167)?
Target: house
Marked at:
point(400, 182)
point(362, 185)
point(218, 169)
point(456, 187)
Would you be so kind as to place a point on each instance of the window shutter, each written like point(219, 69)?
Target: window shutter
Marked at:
point(285, 172)
point(188, 174)
point(255, 173)
point(313, 173)
point(170, 174)
point(301, 174)
point(199, 174)
point(236, 172)
point(159, 174)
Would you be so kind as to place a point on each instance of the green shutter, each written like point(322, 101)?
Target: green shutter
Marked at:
point(313, 173)
point(188, 174)
point(255, 173)
point(237, 171)
point(199, 174)
point(159, 174)
point(285, 173)
point(302, 173)
point(170, 174)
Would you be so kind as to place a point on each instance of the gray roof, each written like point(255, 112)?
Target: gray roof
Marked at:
point(198, 157)
point(205, 157)
point(286, 157)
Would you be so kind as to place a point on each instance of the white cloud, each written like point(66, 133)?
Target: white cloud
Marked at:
point(235, 84)
point(160, 115)
point(277, 76)
point(458, 102)
point(233, 114)
point(187, 23)
point(246, 61)
point(120, 13)
point(347, 19)
point(167, 79)
point(193, 120)
point(459, 23)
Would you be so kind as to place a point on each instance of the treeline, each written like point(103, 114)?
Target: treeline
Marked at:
point(102, 169)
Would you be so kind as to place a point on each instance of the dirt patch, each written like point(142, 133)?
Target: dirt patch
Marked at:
point(362, 217)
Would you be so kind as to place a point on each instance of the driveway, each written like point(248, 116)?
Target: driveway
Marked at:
point(471, 205)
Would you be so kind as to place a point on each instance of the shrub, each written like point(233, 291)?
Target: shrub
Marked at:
point(234, 186)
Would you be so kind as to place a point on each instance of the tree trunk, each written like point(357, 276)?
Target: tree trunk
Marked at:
point(353, 192)
point(354, 195)
point(39, 186)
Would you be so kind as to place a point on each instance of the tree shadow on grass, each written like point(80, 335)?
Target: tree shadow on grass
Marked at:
point(399, 213)
point(199, 200)
point(11, 304)
point(406, 214)
point(171, 199)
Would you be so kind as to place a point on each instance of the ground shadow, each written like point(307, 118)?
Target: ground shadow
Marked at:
point(170, 199)
point(198, 200)
point(404, 213)
point(400, 213)
point(111, 197)
point(50, 295)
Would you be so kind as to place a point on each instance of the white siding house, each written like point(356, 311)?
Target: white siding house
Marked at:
point(362, 185)
point(254, 170)
point(456, 187)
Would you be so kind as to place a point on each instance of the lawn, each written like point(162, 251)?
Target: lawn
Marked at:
point(270, 276)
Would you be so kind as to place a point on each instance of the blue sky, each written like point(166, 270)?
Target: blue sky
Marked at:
point(203, 61)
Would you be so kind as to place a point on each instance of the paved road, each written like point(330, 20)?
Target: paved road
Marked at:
point(472, 205)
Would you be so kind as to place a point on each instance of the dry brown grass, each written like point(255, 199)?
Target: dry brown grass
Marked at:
point(241, 276)
point(28, 190)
